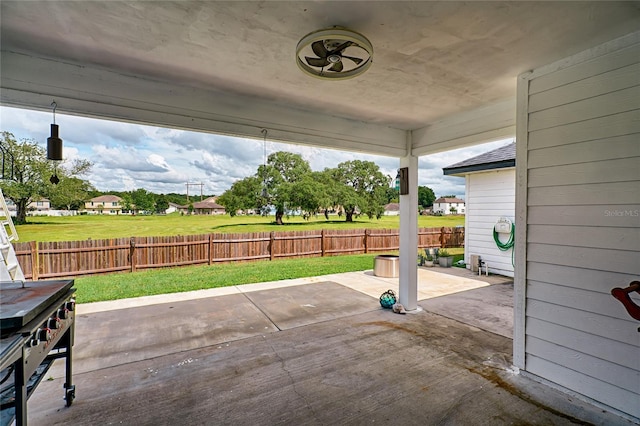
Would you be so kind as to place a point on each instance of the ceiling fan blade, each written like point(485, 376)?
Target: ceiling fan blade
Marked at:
point(337, 67)
point(319, 49)
point(317, 62)
point(356, 60)
point(341, 47)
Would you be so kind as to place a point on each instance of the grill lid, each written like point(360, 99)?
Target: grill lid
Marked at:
point(19, 305)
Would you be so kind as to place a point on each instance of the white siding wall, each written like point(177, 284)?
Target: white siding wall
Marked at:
point(441, 208)
point(490, 195)
point(445, 208)
point(581, 147)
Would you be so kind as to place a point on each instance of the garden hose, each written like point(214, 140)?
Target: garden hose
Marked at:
point(508, 244)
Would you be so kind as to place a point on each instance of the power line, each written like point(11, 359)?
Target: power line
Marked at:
point(201, 185)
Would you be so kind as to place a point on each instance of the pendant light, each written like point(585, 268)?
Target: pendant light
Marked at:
point(54, 146)
point(54, 143)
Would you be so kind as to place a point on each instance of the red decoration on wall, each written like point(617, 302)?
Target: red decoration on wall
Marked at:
point(622, 294)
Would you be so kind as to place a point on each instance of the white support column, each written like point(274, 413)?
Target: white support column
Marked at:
point(409, 233)
point(520, 267)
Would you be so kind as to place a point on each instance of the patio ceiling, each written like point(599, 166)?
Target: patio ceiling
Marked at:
point(446, 70)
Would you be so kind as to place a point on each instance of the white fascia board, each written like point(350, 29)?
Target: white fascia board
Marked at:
point(485, 124)
point(465, 174)
point(34, 82)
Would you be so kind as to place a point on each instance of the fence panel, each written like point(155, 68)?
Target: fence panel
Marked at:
point(238, 247)
point(452, 237)
point(70, 258)
point(383, 240)
point(296, 244)
point(75, 258)
point(25, 258)
point(344, 241)
point(429, 237)
point(158, 252)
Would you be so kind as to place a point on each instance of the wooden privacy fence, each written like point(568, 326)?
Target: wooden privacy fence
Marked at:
point(75, 258)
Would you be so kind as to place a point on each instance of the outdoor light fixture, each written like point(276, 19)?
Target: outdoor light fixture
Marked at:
point(54, 143)
point(54, 146)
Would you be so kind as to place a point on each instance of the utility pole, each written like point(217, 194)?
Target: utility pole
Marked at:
point(201, 185)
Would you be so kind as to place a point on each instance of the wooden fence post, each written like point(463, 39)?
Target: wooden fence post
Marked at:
point(442, 239)
point(366, 241)
point(271, 244)
point(35, 263)
point(322, 249)
point(132, 253)
point(210, 249)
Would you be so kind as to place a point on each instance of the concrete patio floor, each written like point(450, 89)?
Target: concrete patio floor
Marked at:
point(314, 351)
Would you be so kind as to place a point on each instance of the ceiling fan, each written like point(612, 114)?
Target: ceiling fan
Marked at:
point(334, 53)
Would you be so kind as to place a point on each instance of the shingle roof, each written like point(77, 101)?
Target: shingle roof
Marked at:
point(109, 198)
point(499, 158)
point(448, 200)
point(207, 205)
point(392, 207)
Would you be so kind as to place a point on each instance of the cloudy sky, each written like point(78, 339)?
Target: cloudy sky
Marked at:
point(130, 156)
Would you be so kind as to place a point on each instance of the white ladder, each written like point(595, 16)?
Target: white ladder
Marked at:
point(10, 269)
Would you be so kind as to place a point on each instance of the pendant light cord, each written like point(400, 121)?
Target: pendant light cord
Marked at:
point(264, 165)
point(54, 105)
point(264, 158)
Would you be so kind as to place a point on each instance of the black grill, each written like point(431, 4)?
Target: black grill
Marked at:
point(37, 321)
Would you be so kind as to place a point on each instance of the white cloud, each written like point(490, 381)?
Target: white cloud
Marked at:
point(129, 156)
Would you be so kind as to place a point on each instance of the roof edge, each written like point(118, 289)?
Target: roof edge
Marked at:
point(479, 167)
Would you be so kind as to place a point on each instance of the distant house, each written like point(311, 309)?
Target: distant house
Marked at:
point(104, 204)
point(392, 209)
point(40, 207)
point(40, 204)
point(208, 206)
point(449, 206)
point(173, 207)
point(490, 188)
point(11, 206)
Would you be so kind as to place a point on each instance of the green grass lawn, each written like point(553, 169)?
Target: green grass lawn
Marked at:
point(77, 228)
point(173, 280)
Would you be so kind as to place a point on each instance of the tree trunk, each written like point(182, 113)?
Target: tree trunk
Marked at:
point(349, 214)
point(279, 216)
point(21, 211)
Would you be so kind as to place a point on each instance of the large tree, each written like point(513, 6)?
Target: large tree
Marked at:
point(143, 200)
point(426, 197)
point(283, 172)
point(309, 194)
point(392, 195)
point(70, 193)
point(243, 195)
point(162, 203)
point(27, 174)
point(365, 188)
point(285, 183)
